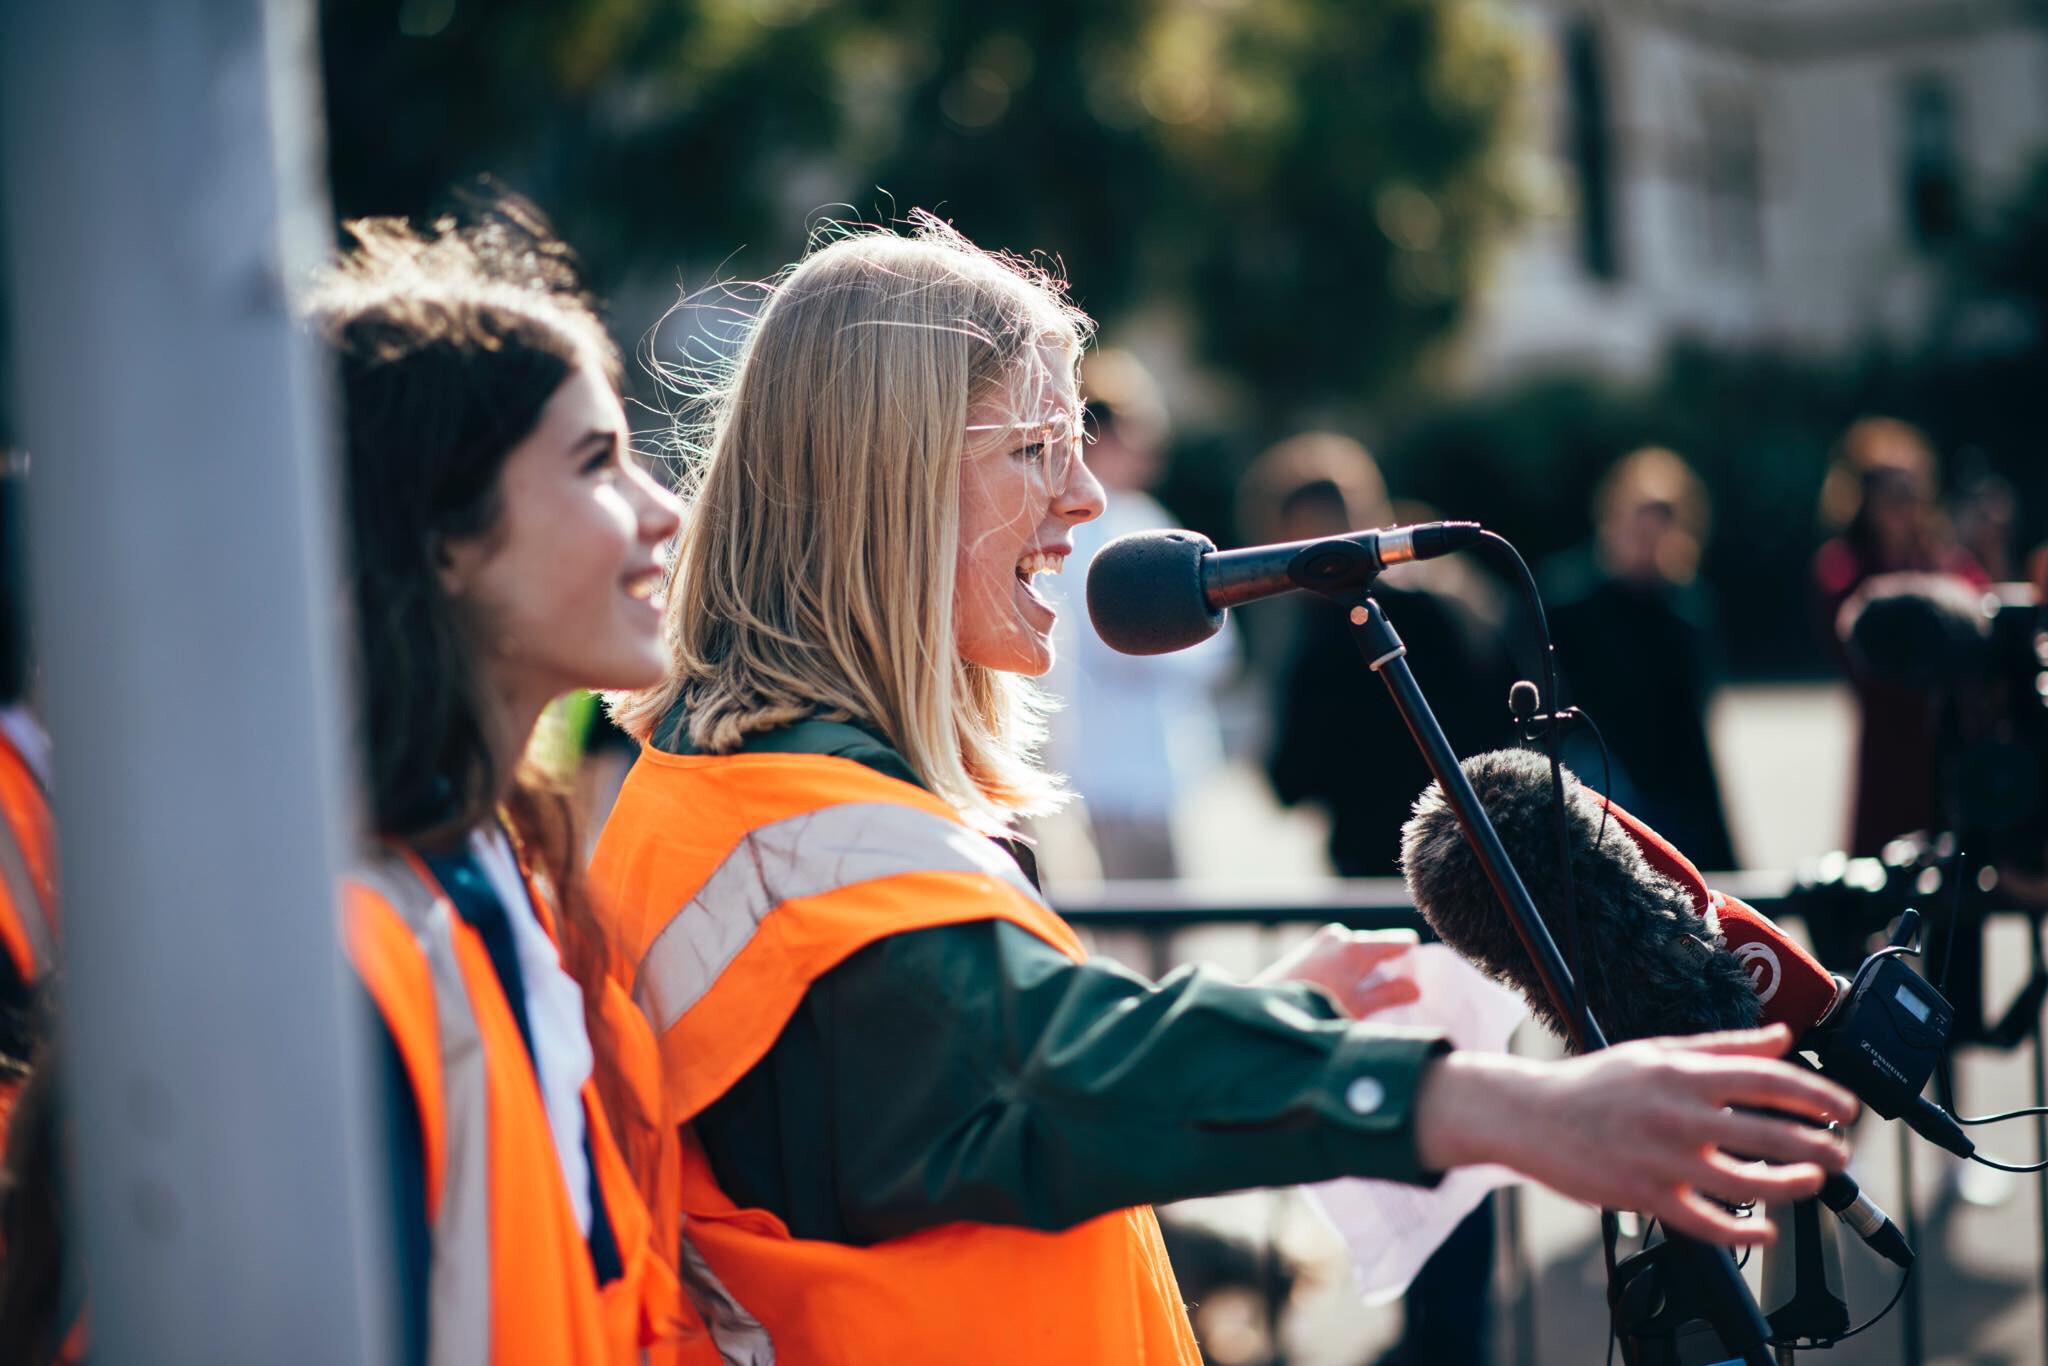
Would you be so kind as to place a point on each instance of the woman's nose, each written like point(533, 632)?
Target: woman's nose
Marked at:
point(661, 512)
point(1081, 498)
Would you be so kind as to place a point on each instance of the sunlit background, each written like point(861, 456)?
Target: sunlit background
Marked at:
point(1501, 245)
point(1489, 249)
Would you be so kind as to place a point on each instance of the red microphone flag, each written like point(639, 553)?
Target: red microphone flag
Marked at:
point(1794, 988)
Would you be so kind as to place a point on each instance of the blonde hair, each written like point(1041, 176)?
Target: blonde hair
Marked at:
point(816, 570)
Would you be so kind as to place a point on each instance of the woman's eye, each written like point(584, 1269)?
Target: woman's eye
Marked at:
point(603, 462)
point(1034, 452)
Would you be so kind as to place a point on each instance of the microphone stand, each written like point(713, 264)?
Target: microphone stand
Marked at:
point(1344, 573)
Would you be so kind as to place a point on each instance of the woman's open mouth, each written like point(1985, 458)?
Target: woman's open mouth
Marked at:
point(1036, 563)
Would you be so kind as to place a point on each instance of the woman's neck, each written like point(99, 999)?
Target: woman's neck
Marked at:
point(508, 727)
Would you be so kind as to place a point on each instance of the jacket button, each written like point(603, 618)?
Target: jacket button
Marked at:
point(1365, 1095)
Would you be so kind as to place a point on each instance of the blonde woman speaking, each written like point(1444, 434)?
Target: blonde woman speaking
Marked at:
point(922, 1126)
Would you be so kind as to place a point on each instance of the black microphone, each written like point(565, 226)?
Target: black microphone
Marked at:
point(1661, 965)
point(1154, 592)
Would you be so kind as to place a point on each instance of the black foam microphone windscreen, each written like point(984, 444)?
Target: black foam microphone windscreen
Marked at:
point(1916, 629)
point(1650, 963)
point(1145, 593)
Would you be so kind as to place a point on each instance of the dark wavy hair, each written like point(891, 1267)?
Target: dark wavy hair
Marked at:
point(449, 343)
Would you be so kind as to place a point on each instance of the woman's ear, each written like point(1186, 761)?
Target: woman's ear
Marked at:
point(455, 563)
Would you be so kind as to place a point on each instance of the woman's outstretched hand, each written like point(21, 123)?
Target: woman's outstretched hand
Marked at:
point(1645, 1126)
point(1348, 964)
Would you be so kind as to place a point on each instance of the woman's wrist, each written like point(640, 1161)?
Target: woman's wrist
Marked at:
point(1465, 1108)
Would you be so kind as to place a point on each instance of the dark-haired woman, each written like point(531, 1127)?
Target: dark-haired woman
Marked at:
point(502, 551)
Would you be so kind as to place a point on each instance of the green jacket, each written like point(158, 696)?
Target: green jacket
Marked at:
point(973, 1072)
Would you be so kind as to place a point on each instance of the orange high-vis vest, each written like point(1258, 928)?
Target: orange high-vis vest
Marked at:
point(28, 868)
point(511, 1278)
point(739, 880)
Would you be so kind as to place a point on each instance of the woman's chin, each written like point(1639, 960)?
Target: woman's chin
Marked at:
point(634, 670)
point(1030, 656)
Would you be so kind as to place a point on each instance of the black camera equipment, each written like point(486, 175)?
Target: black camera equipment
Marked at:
point(1845, 900)
point(1981, 656)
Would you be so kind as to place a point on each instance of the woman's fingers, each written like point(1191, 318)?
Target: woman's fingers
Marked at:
point(1370, 953)
point(1351, 965)
point(1776, 1086)
point(1646, 1125)
point(1772, 1041)
point(1395, 991)
point(1741, 1183)
point(1775, 1140)
point(1690, 1213)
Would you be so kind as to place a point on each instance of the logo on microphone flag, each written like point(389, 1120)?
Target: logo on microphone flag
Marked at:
point(1761, 962)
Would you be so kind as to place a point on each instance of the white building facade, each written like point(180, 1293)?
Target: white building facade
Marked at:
point(1756, 173)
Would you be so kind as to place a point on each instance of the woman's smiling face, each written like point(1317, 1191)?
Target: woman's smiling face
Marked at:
point(1023, 489)
point(558, 593)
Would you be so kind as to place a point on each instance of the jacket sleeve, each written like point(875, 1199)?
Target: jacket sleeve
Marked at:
point(975, 1073)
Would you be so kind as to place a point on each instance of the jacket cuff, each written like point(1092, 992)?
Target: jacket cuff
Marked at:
point(1374, 1073)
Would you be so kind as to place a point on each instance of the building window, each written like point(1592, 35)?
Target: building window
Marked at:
point(1933, 181)
point(1732, 183)
point(1589, 146)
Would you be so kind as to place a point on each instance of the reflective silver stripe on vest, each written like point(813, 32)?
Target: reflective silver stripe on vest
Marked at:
point(459, 1283)
point(809, 855)
point(738, 1335)
point(28, 900)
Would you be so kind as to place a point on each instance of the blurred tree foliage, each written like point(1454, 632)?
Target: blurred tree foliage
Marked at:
point(1317, 180)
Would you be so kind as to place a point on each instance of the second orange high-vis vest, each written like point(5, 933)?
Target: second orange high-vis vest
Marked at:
point(736, 882)
point(28, 868)
point(28, 886)
point(512, 1282)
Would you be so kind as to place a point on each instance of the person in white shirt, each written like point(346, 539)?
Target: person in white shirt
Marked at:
point(1136, 735)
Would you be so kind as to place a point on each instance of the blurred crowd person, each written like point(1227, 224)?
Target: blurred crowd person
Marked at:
point(1881, 500)
point(1136, 736)
point(1638, 637)
point(1336, 739)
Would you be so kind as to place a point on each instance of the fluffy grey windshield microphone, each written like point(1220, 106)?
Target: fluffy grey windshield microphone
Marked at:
point(1651, 965)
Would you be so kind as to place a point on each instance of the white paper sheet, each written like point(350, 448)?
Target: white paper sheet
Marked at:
point(1391, 1229)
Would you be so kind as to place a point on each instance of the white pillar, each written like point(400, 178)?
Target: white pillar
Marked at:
point(162, 183)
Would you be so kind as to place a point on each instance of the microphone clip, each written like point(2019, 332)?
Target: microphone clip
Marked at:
point(1337, 568)
point(1533, 725)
